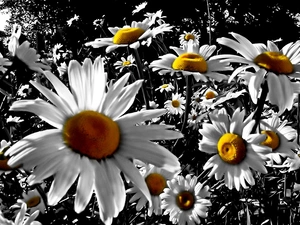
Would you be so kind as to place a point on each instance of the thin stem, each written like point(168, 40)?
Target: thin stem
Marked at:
point(188, 80)
point(298, 120)
point(209, 22)
point(141, 76)
point(260, 105)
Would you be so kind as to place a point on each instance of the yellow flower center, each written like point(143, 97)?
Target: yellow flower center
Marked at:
point(189, 37)
point(92, 134)
point(210, 95)
point(34, 201)
point(175, 103)
point(164, 86)
point(156, 183)
point(190, 62)
point(231, 148)
point(185, 200)
point(127, 35)
point(126, 63)
point(272, 140)
point(275, 62)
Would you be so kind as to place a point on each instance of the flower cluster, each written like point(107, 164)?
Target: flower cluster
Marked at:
point(120, 133)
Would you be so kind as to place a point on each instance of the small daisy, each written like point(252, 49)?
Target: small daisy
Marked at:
point(29, 56)
point(92, 141)
point(22, 218)
point(278, 137)
point(277, 67)
point(235, 149)
point(125, 63)
point(208, 97)
point(24, 90)
point(185, 200)
point(176, 105)
point(33, 200)
point(186, 36)
point(194, 118)
point(156, 180)
point(165, 87)
point(130, 35)
point(192, 59)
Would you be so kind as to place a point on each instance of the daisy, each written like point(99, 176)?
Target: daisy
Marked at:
point(194, 118)
point(33, 200)
point(22, 218)
point(30, 58)
point(176, 105)
point(186, 36)
point(192, 59)
point(277, 67)
point(208, 97)
point(165, 87)
point(279, 138)
point(24, 90)
point(130, 35)
point(91, 139)
point(185, 200)
point(235, 149)
point(156, 180)
point(125, 63)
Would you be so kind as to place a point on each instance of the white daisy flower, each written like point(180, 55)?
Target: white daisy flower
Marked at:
point(165, 87)
point(130, 35)
point(185, 200)
point(279, 138)
point(125, 63)
point(235, 149)
point(192, 59)
point(176, 105)
point(208, 97)
point(186, 36)
point(91, 139)
point(277, 66)
point(156, 180)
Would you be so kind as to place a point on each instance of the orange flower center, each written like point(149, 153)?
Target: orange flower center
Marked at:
point(156, 183)
point(92, 134)
point(190, 62)
point(175, 103)
point(189, 37)
point(185, 200)
point(126, 63)
point(127, 35)
point(272, 140)
point(34, 201)
point(231, 148)
point(275, 62)
point(210, 95)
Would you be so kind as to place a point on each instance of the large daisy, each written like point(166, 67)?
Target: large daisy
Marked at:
point(133, 35)
point(185, 200)
point(192, 59)
point(235, 149)
point(91, 139)
point(277, 66)
point(279, 137)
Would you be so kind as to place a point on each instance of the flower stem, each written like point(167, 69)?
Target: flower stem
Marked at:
point(188, 80)
point(298, 120)
point(260, 105)
point(141, 76)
